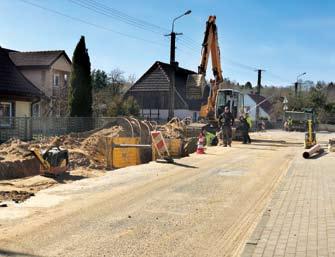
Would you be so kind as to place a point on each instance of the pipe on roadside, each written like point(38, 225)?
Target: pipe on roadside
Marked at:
point(314, 150)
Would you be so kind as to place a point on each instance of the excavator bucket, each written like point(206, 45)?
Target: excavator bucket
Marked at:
point(195, 85)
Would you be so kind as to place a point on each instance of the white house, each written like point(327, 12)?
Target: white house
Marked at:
point(252, 100)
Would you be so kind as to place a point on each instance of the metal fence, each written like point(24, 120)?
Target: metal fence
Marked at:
point(28, 128)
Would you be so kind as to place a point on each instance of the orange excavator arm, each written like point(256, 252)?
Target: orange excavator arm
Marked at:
point(210, 46)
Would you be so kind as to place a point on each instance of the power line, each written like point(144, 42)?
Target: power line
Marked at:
point(107, 11)
point(186, 42)
point(124, 15)
point(90, 23)
point(113, 15)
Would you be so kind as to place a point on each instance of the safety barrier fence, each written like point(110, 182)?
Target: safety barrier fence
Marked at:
point(28, 128)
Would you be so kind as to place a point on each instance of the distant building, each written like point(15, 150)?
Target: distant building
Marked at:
point(50, 72)
point(250, 102)
point(17, 93)
point(152, 89)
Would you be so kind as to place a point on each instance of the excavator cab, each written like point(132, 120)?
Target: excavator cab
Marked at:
point(231, 98)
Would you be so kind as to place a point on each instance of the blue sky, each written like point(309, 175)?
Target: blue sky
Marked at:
point(284, 37)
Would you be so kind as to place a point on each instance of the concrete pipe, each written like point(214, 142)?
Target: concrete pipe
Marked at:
point(314, 150)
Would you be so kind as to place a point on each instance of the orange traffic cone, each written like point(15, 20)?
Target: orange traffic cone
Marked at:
point(200, 145)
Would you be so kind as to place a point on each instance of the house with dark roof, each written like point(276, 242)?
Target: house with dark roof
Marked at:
point(49, 71)
point(152, 92)
point(251, 100)
point(17, 93)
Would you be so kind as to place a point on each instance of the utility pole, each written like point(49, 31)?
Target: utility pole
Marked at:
point(173, 46)
point(173, 72)
point(259, 81)
point(296, 84)
point(173, 64)
point(258, 92)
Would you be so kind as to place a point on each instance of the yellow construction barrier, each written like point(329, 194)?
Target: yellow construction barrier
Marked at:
point(117, 157)
point(175, 148)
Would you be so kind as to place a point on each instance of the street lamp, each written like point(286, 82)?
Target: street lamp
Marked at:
point(300, 75)
point(173, 62)
point(173, 37)
point(185, 13)
point(296, 84)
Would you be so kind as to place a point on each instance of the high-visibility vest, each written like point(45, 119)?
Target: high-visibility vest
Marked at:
point(249, 120)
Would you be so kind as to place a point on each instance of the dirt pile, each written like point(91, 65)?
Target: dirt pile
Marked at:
point(13, 149)
point(85, 150)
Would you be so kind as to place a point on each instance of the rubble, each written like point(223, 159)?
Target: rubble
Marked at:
point(174, 129)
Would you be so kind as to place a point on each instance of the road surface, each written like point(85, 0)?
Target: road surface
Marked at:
point(204, 205)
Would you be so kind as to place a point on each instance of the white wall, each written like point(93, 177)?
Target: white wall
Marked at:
point(248, 102)
point(164, 113)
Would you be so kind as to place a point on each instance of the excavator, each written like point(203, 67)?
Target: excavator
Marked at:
point(217, 97)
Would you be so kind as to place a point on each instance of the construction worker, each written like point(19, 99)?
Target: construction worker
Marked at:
point(289, 123)
point(226, 120)
point(249, 121)
point(244, 126)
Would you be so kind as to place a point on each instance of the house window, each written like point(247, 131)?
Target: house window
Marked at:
point(36, 110)
point(66, 77)
point(56, 80)
point(5, 114)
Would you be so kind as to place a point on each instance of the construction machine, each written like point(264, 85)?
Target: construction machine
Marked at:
point(310, 135)
point(214, 96)
point(304, 121)
point(54, 160)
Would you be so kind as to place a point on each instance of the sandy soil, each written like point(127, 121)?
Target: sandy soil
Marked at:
point(19, 190)
point(204, 205)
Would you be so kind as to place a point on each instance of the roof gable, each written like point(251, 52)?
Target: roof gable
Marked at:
point(12, 82)
point(157, 78)
point(37, 59)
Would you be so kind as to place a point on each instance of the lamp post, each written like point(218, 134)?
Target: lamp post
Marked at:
point(296, 84)
point(173, 62)
point(173, 37)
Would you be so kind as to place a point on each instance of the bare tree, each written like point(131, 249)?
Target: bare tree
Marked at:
point(131, 79)
point(116, 81)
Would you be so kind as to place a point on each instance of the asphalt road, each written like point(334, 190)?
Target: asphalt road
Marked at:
point(204, 205)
